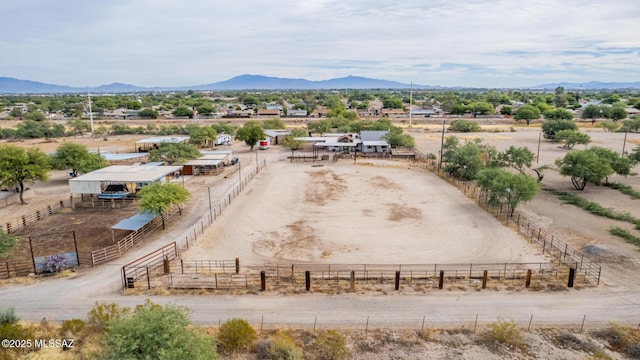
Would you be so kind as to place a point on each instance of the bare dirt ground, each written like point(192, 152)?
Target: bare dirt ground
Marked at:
point(583, 231)
point(375, 212)
point(92, 227)
point(398, 200)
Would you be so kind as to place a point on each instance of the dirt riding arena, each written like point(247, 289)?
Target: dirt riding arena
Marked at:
point(381, 212)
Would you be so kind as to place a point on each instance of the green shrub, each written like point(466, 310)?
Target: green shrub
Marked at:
point(626, 235)
point(236, 334)
point(8, 316)
point(462, 125)
point(156, 332)
point(7, 244)
point(73, 326)
point(333, 345)
point(504, 332)
point(279, 347)
point(625, 189)
point(102, 313)
point(595, 208)
point(17, 332)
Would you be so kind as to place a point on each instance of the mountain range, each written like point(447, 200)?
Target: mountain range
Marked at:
point(259, 82)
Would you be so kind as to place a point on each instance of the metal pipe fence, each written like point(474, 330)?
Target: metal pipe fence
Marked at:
point(548, 243)
point(144, 267)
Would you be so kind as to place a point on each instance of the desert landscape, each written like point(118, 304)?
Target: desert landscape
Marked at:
point(373, 211)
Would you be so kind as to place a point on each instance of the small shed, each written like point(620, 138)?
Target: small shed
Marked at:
point(203, 166)
point(144, 145)
point(276, 137)
point(130, 176)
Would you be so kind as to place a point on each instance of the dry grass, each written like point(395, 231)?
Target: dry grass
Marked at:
point(22, 280)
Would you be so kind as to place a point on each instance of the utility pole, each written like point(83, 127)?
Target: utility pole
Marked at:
point(441, 144)
point(90, 113)
point(624, 143)
point(410, 104)
point(210, 210)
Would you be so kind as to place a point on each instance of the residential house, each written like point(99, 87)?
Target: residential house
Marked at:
point(268, 113)
point(392, 112)
point(374, 142)
point(297, 113)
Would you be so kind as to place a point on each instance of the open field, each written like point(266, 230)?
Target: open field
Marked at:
point(375, 212)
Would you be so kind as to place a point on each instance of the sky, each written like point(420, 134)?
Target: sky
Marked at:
point(475, 43)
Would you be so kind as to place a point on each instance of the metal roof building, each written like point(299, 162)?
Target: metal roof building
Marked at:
point(163, 140)
point(92, 183)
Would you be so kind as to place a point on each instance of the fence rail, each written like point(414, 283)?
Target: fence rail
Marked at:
point(344, 276)
point(128, 242)
point(9, 269)
point(205, 266)
point(517, 221)
point(146, 266)
point(25, 220)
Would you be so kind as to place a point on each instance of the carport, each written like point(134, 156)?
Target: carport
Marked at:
point(134, 223)
point(133, 176)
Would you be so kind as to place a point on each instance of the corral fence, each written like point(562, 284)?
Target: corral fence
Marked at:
point(386, 156)
point(9, 269)
point(81, 201)
point(304, 158)
point(92, 201)
point(548, 243)
point(143, 268)
point(215, 275)
point(116, 250)
point(23, 221)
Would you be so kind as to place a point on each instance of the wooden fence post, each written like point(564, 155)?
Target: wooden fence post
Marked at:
point(237, 265)
point(485, 275)
point(263, 280)
point(353, 280)
point(307, 280)
point(528, 281)
point(441, 281)
point(397, 280)
point(572, 275)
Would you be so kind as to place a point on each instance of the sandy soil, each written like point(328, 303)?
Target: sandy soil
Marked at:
point(583, 231)
point(371, 212)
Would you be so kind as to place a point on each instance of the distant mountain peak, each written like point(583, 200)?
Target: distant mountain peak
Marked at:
point(261, 82)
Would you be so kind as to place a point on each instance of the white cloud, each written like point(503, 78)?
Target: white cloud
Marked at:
point(162, 42)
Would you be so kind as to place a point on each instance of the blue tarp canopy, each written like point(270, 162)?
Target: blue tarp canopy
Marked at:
point(135, 222)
